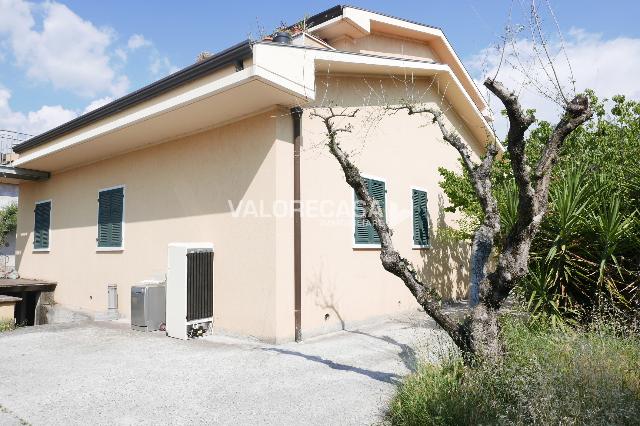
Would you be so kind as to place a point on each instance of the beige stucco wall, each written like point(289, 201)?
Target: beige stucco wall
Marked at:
point(177, 192)
point(387, 45)
point(350, 284)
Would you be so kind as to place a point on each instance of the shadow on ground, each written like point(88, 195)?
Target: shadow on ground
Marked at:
point(407, 354)
point(376, 375)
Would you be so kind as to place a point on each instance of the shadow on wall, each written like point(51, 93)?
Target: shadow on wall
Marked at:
point(324, 292)
point(445, 265)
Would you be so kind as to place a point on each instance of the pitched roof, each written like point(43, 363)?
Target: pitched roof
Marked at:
point(238, 52)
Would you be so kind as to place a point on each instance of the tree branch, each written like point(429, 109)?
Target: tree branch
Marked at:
point(519, 122)
point(426, 296)
point(577, 112)
point(533, 195)
point(480, 174)
point(477, 172)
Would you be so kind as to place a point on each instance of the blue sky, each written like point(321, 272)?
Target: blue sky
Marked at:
point(59, 58)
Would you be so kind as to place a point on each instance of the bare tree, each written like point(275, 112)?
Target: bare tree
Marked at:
point(477, 333)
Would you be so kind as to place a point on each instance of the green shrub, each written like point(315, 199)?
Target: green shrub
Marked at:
point(548, 376)
point(587, 253)
point(585, 256)
point(8, 221)
point(6, 325)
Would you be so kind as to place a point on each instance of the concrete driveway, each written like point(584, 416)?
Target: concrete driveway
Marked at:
point(103, 373)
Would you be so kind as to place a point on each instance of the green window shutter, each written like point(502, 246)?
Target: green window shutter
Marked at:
point(104, 212)
point(364, 231)
point(377, 191)
point(110, 215)
point(117, 210)
point(42, 219)
point(362, 224)
point(420, 218)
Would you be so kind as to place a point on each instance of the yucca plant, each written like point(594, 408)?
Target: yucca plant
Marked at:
point(582, 257)
point(587, 253)
point(544, 303)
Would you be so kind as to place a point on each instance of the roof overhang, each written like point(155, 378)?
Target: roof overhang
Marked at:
point(444, 82)
point(17, 175)
point(233, 55)
point(194, 109)
point(356, 22)
point(277, 74)
point(277, 58)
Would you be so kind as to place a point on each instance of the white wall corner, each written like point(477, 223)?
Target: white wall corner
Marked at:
point(290, 67)
point(359, 19)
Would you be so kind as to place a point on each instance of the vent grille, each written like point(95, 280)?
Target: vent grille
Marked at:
point(199, 285)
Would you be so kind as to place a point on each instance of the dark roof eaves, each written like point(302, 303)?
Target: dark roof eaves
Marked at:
point(239, 51)
point(331, 13)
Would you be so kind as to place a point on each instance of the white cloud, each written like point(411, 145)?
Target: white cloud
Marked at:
point(97, 104)
point(33, 122)
point(45, 118)
point(137, 41)
point(609, 66)
point(16, 16)
point(161, 65)
point(121, 54)
point(67, 51)
point(50, 44)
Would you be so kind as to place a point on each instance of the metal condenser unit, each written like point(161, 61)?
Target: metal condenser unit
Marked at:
point(189, 289)
point(147, 306)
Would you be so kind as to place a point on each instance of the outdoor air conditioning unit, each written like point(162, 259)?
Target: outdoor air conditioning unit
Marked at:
point(189, 289)
point(147, 306)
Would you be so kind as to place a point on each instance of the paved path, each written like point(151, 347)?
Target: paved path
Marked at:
point(103, 373)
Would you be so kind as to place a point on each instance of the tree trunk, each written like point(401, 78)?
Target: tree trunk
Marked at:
point(485, 340)
point(480, 253)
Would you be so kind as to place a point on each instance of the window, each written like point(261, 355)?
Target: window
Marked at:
point(420, 218)
point(42, 215)
point(364, 233)
point(110, 217)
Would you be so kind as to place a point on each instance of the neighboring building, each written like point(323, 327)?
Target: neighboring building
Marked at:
point(208, 154)
point(8, 196)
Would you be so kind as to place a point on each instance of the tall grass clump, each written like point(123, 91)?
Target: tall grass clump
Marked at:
point(548, 376)
point(6, 325)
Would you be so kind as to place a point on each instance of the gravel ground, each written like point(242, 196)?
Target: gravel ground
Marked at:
point(103, 373)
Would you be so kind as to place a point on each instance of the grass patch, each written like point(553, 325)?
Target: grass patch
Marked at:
point(568, 377)
point(6, 325)
point(10, 413)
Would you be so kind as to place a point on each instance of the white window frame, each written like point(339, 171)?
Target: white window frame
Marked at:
point(48, 249)
point(124, 202)
point(413, 245)
point(360, 246)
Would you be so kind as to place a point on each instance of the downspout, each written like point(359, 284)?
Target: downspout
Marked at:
point(296, 114)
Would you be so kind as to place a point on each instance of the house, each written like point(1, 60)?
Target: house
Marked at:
point(222, 150)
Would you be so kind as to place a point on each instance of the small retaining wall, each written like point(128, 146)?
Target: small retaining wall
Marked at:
point(7, 307)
